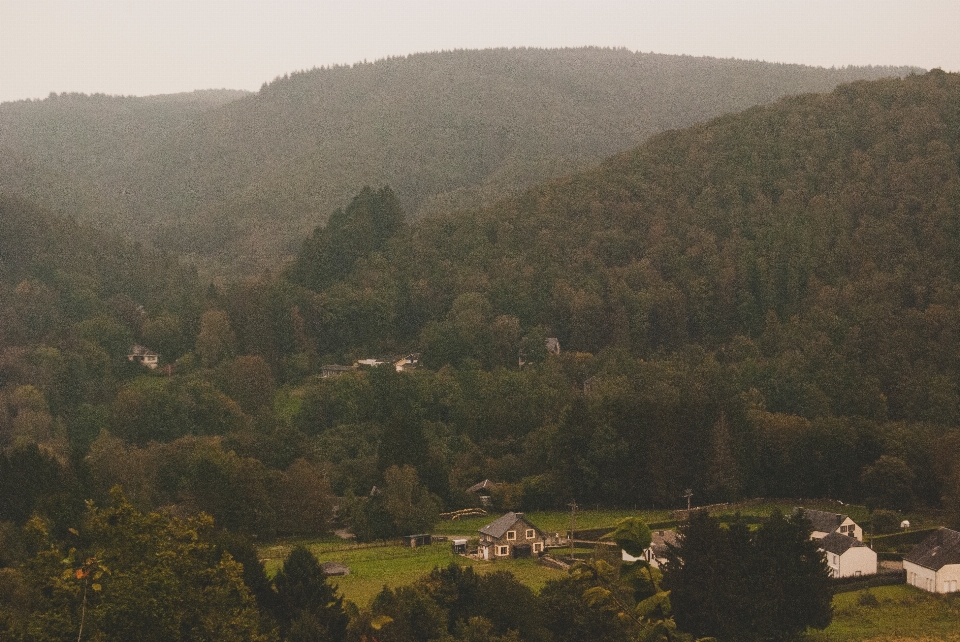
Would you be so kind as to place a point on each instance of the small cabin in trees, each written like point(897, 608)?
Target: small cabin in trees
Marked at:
point(510, 536)
point(334, 370)
point(934, 563)
point(847, 556)
point(483, 491)
point(825, 523)
point(145, 356)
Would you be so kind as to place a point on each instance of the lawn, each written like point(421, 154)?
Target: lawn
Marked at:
point(373, 567)
point(902, 614)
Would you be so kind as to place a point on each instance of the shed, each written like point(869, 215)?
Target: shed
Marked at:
point(413, 541)
point(459, 547)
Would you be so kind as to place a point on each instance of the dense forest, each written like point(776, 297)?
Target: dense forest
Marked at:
point(764, 304)
point(235, 181)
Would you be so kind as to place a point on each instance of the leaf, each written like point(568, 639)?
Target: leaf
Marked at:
point(96, 587)
point(659, 602)
point(632, 535)
point(595, 596)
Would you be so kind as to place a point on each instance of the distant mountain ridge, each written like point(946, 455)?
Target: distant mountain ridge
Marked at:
point(236, 182)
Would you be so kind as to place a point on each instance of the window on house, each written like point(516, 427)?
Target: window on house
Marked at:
point(502, 550)
point(539, 547)
point(511, 534)
point(530, 533)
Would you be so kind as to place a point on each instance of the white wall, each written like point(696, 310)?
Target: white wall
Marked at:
point(857, 560)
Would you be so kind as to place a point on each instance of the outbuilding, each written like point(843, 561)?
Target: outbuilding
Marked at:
point(934, 563)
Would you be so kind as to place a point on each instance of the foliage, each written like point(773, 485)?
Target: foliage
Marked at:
point(131, 576)
point(733, 584)
point(308, 607)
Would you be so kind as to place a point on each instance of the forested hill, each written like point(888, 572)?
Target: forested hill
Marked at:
point(819, 235)
point(237, 182)
point(86, 295)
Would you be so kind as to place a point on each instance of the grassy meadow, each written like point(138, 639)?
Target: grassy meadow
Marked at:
point(375, 565)
point(900, 614)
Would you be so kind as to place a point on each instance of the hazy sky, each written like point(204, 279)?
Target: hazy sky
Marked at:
point(162, 46)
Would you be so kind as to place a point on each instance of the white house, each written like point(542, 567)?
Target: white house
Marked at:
point(825, 523)
point(656, 553)
point(847, 556)
point(934, 563)
point(146, 356)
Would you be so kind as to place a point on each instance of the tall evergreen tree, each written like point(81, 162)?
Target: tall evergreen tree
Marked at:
point(308, 608)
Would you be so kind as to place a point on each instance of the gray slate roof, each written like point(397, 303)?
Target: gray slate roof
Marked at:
point(839, 544)
point(486, 484)
point(659, 541)
point(822, 520)
point(936, 551)
point(498, 527)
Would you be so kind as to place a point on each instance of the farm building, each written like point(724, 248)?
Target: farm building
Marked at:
point(847, 556)
point(413, 541)
point(825, 523)
point(510, 536)
point(934, 563)
point(656, 553)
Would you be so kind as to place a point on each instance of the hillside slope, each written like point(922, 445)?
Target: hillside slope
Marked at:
point(822, 231)
point(236, 183)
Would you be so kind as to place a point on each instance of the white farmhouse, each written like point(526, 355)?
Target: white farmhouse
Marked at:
point(848, 556)
point(934, 563)
point(825, 523)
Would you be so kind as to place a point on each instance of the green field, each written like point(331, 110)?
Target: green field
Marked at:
point(902, 614)
point(373, 567)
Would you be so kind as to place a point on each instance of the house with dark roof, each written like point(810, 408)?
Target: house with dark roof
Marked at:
point(145, 356)
point(483, 491)
point(825, 523)
point(656, 553)
point(510, 536)
point(847, 556)
point(934, 563)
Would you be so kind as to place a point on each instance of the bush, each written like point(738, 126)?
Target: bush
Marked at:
point(886, 521)
point(866, 598)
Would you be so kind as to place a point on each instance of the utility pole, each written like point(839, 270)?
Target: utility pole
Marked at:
point(573, 518)
point(688, 494)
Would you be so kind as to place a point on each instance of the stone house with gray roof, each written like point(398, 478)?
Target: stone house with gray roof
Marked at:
point(510, 536)
point(934, 563)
